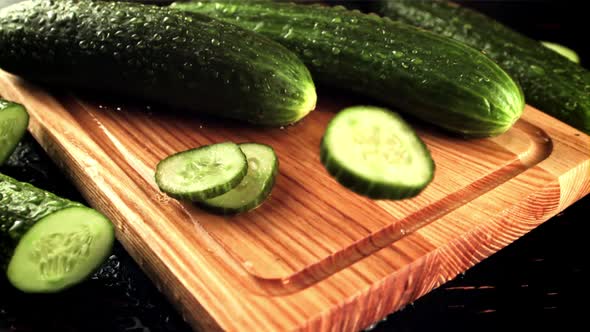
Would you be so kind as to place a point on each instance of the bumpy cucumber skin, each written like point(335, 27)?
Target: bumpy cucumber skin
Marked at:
point(263, 195)
point(550, 82)
point(184, 60)
point(374, 189)
point(5, 105)
point(21, 206)
point(436, 79)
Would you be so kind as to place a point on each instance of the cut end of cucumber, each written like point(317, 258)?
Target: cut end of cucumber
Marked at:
point(563, 51)
point(373, 152)
point(61, 250)
point(310, 99)
point(202, 173)
point(14, 120)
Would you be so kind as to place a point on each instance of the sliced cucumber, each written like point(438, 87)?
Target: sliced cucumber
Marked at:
point(14, 120)
point(61, 250)
point(202, 173)
point(563, 51)
point(48, 243)
point(255, 187)
point(373, 152)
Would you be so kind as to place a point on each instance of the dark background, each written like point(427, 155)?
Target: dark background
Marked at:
point(537, 282)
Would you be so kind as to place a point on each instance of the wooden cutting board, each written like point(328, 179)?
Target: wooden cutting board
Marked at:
point(315, 256)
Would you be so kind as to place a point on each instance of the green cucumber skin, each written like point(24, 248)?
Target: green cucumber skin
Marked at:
point(262, 197)
point(21, 206)
point(183, 60)
point(436, 79)
point(5, 105)
point(550, 82)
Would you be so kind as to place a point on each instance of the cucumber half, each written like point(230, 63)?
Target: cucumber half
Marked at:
point(375, 153)
point(255, 187)
point(60, 250)
point(14, 120)
point(202, 173)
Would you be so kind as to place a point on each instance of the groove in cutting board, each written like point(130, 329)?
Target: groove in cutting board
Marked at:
point(339, 239)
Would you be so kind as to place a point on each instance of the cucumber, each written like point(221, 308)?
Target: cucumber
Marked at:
point(550, 82)
point(48, 243)
point(566, 52)
point(184, 60)
point(202, 173)
point(14, 120)
point(439, 80)
point(375, 153)
point(256, 186)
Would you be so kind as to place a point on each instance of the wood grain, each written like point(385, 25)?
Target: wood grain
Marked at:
point(315, 256)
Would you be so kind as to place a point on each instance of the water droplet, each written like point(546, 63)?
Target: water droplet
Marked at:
point(308, 52)
point(405, 65)
point(83, 44)
point(336, 20)
point(335, 50)
point(215, 42)
point(416, 61)
point(571, 105)
point(537, 70)
point(353, 20)
point(288, 34)
point(397, 54)
point(259, 26)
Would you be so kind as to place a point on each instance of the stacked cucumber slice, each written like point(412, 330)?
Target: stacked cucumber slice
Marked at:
point(226, 178)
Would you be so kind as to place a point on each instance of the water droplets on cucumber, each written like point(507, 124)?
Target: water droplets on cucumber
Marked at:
point(537, 70)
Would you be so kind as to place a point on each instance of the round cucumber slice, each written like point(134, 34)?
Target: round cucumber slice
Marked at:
point(60, 250)
point(202, 173)
point(14, 120)
point(375, 153)
point(562, 50)
point(256, 186)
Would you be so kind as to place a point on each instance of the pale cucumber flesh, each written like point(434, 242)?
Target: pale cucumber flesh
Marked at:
point(13, 125)
point(562, 50)
point(202, 173)
point(375, 153)
point(256, 185)
point(60, 250)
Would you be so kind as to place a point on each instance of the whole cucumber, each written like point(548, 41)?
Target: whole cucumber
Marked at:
point(550, 82)
point(184, 60)
point(437, 79)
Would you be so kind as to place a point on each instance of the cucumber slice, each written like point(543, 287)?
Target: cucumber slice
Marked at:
point(263, 167)
point(60, 250)
point(202, 173)
point(373, 152)
point(563, 51)
point(14, 120)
